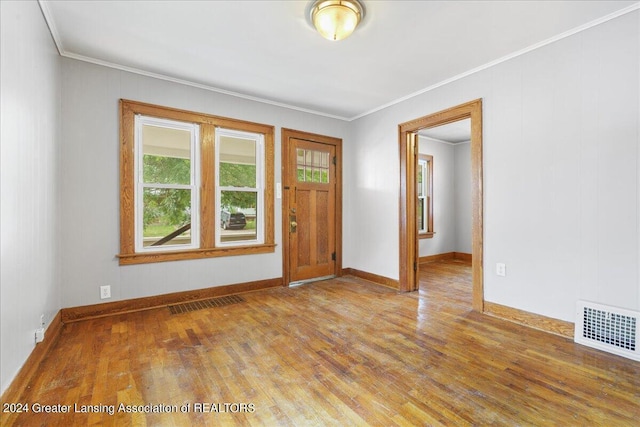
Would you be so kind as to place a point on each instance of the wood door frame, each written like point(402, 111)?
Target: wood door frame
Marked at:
point(286, 135)
point(409, 253)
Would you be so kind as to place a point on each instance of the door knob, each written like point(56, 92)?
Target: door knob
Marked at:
point(292, 224)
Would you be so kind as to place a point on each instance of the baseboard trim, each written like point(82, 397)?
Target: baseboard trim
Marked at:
point(67, 315)
point(532, 320)
point(437, 257)
point(14, 392)
point(460, 256)
point(379, 280)
point(76, 314)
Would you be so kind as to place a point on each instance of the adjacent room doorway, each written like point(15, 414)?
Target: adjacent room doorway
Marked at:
point(311, 206)
point(409, 253)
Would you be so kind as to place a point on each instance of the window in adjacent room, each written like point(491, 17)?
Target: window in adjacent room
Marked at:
point(425, 196)
point(193, 185)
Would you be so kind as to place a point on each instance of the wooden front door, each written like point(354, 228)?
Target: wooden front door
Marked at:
point(311, 209)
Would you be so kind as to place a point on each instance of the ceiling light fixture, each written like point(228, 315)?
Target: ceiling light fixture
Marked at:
point(336, 19)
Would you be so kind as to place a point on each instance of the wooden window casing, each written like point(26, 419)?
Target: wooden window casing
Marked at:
point(209, 218)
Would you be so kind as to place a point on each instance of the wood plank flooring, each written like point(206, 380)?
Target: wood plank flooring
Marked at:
point(339, 352)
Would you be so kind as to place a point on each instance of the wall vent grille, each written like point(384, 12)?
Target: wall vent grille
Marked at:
point(607, 328)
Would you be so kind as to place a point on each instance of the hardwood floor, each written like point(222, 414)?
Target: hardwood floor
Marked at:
point(339, 352)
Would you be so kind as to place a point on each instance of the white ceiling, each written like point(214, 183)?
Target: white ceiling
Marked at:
point(268, 50)
point(452, 133)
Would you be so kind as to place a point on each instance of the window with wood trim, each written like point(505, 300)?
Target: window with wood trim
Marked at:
point(424, 188)
point(240, 179)
point(193, 185)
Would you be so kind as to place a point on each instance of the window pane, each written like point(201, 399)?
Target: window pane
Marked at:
point(421, 168)
point(166, 155)
point(427, 175)
point(165, 211)
point(421, 218)
point(237, 175)
point(238, 216)
point(166, 170)
point(237, 162)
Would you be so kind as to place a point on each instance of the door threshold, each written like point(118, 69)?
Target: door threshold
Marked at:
point(315, 279)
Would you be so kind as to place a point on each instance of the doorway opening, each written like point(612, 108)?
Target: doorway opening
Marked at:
point(444, 192)
point(408, 227)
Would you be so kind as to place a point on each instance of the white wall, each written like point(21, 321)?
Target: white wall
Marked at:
point(462, 194)
point(29, 113)
point(90, 187)
point(561, 129)
point(444, 224)
point(451, 197)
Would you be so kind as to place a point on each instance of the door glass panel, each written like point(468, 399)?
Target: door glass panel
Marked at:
point(312, 166)
point(316, 158)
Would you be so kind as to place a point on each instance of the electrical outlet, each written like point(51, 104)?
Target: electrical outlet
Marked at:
point(42, 320)
point(105, 292)
point(501, 269)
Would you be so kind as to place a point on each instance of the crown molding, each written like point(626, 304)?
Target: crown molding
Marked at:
point(57, 40)
point(521, 52)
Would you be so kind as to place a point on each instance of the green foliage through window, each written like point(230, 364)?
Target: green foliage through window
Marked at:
point(166, 170)
point(241, 176)
point(166, 206)
point(237, 175)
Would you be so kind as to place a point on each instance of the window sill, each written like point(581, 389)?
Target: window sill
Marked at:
point(146, 258)
point(428, 235)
